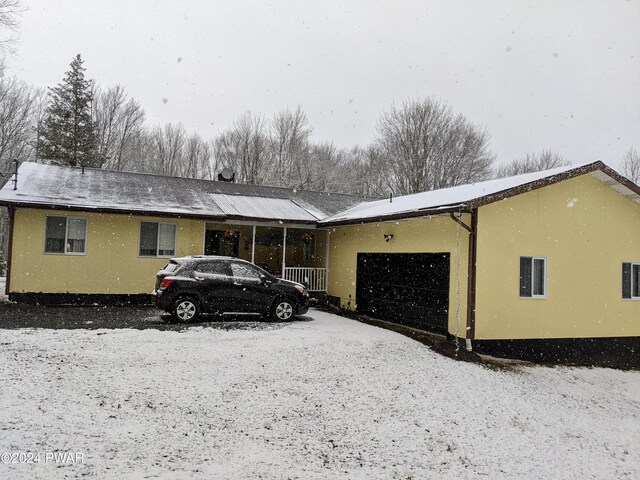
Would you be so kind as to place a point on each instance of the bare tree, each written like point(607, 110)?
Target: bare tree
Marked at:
point(245, 148)
point(290, 133)
point(10, 11)
point(426, 147)
point(367, 172)
point(630, 165)
point(119, 119)
point(168, 144)
point(532, 162)
point(17, 102)
point(199, 161)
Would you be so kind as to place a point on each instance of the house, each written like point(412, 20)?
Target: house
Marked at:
point(90, 235)
point(540, 264)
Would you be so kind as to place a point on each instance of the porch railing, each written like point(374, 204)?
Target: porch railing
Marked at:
point(314, 278)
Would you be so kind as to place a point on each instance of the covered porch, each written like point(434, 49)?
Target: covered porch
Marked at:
point(294, 252)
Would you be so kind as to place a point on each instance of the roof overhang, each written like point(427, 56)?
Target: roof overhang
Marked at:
point(150, 213)
point(597, 169)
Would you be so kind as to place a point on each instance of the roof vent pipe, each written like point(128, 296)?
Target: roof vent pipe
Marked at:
point(15, 174)
point(82, 168)
point(391, 197)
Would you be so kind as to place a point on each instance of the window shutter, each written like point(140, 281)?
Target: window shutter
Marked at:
point(525, 276)
point(626, 280)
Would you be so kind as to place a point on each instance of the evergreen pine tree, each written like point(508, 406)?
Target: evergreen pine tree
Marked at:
point(68, 134)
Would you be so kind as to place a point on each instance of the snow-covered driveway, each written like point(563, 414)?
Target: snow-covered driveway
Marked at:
point(328, 398)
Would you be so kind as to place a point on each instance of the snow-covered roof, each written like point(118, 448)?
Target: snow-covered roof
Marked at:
point(103, 190)
point(463, 197)
point(50, 186)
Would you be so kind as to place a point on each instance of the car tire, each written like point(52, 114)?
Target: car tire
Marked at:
point(283, 309)
point(185, 309)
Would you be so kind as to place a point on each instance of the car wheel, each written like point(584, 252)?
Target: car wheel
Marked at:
point(185, 309)
point(282, 310)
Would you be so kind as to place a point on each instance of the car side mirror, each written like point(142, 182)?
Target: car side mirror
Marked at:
point(264, 279)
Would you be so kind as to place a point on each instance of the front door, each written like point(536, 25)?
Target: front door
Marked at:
point(222, 242)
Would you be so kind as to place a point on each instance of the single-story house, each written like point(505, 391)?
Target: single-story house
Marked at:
point(537, 261)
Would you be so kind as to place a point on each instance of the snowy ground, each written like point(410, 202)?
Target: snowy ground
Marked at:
point(328, 398)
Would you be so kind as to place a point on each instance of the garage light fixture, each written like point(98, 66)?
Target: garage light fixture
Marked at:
point(388, 237)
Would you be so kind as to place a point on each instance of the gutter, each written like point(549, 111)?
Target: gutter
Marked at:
point(471, 275)
point(150, 213)
point(12, 212)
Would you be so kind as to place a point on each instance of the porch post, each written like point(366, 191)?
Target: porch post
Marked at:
point(253, 245)
point(326, 262)
point(284, 249)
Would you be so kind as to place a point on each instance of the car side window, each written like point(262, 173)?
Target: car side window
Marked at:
point(242, 271)
point(212, 270)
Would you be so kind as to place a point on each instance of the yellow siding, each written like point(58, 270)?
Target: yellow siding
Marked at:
point(111, 264)
point(586, 230)
point(424, 235)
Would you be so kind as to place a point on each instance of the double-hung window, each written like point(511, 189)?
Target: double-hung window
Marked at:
point(533, 277)
point(157, 239)
point(631, 280)
point(67, 235)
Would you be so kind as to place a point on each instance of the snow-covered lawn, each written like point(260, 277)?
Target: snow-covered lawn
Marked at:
point(328, 398)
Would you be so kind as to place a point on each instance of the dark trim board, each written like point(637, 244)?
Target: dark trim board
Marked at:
point(81, 299)
point(616, 352)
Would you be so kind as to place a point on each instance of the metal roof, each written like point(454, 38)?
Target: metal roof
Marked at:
point(262, 207)
point(51, 186)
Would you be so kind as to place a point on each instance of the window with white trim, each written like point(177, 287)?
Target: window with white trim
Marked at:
point(533, 277)
point(66, 235)
point(157, 239)
point(631, 280)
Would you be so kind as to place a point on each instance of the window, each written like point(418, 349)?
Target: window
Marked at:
point(245, 272)
point(66, 235)
point(533, 277)
point(631, 280)
point(212, 270)
point(157, 239)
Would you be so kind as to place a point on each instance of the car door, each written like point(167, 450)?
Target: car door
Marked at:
point(214, 285)
point(250, 293)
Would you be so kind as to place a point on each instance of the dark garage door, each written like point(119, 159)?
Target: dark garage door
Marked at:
point(408, 288)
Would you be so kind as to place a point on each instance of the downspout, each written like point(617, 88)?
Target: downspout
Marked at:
point(10, 248)
point(471, 275)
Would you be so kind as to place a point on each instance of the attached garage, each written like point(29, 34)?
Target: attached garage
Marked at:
point(408, 288)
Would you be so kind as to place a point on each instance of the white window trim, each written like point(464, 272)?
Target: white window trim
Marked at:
point(546, 274)
point(175, 240)
point(633, 297)
point(66, 233)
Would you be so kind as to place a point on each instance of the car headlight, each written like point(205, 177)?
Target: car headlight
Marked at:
point(300, 288)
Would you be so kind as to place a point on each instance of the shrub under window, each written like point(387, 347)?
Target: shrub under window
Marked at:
point(631, 280)
point(157, 239)
point(65, 235)
point(533, 277)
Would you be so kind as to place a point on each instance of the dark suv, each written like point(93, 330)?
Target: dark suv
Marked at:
point(189, 286)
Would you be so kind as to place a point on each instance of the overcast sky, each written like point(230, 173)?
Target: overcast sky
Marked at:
point(537, 74)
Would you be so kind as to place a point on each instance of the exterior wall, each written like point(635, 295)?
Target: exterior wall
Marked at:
point(586, 230)
point(112, 264)
point(422, 235)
